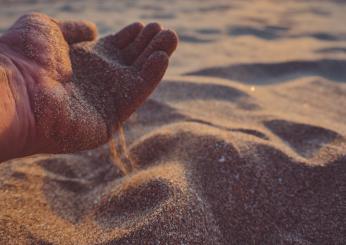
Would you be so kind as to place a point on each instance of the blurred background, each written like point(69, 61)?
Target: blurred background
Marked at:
point(216, 33)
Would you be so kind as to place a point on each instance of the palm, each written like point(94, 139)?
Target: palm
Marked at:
point(85, 87)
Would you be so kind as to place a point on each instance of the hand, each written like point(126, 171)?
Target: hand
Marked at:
point(66, 92)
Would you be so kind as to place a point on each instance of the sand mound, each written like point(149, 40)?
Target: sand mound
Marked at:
point(200, 177)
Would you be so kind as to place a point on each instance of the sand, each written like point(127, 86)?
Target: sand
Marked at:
point(244, 142)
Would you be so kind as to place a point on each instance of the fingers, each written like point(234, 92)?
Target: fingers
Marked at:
point(134, 44)
point(165, 41)
point(154, 68)
point(131, 52)
point(78, 31)
point(124, 37)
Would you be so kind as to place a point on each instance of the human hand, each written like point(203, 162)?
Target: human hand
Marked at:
point(67, 92)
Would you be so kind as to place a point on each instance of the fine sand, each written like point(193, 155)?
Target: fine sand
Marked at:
point(244, 142)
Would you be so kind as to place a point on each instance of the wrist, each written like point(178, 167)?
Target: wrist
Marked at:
point(17, 130)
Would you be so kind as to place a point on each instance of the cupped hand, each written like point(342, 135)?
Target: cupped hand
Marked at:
point(70, 92)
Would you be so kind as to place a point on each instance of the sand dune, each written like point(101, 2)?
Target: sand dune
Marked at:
point(244, 142)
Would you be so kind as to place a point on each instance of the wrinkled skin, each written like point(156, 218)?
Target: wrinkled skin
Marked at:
point(62, 91)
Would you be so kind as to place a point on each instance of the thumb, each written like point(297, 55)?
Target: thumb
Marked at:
point(78, 31)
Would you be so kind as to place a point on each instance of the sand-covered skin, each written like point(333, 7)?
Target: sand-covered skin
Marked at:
point(244, 142)
point(70, 90)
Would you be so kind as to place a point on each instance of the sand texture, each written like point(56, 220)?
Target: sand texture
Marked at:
point(244, 142)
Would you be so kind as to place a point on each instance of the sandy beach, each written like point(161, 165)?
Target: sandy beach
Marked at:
point(243, 142)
